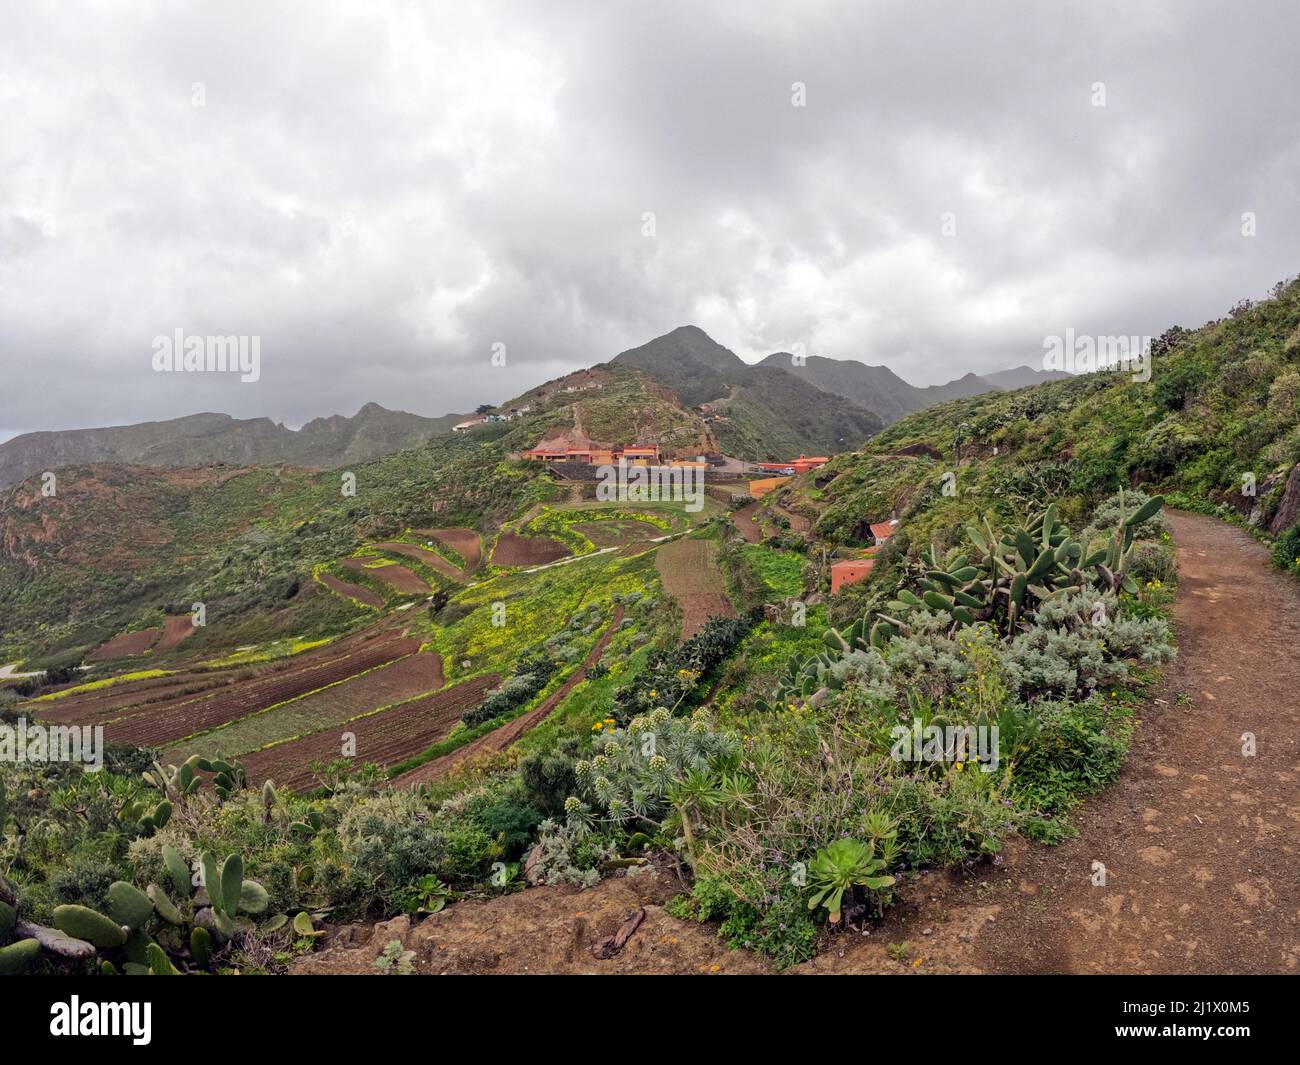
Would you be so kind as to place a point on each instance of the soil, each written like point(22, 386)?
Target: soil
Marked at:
point(124, 645)
point(385, 738)
point(501, 738)
point(799, 525)
point(465, 542)
point(689, 572)
point(743, 519)
point(175, 629)
point(430, 558)
point(331, 710)
point(159, 724)
point(1199, 842)
point(515, 550)
point(121, 700)
point(351, 591)
point(404, 582)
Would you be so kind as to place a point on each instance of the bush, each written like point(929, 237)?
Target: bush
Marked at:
point(1153, 562)
point(1080, 750)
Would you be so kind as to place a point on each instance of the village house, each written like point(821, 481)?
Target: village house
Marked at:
point(883, 530)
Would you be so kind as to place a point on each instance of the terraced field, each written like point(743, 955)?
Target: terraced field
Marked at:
point(348, 590)
point(112, 702)
point(385, 738)
point(618, 532)
point(501, 738)
point(385, 685)
point(124, 645)
point(160, 724)
point(744, 519)
point(175, 629)
point(515, 550)
point(124, 699)
point(465, 542)
point(430, 558)
point(403, 581)
point(690, 574)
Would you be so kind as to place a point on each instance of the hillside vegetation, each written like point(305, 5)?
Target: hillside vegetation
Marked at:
point(1214, 428)
point(199, 439)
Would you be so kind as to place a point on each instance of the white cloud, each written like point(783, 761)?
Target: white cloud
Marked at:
point(383, 190)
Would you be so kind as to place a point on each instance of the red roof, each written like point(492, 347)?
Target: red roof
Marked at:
point(883, 530)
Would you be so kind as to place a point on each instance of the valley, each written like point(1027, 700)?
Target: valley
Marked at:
point(471, 698)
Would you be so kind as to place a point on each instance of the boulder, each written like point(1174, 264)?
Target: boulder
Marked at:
point(1288, 510)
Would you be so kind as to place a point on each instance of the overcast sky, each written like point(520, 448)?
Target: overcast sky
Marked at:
point(382, 191)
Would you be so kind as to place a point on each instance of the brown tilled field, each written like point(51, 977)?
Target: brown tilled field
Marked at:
point(385, 738)
point(163, 723)
point(402, 579)
point(175, 629)
point(351, 591)
point(690, 574)
point(124, 645)
point(120, 699)
point(430, 558)
point(75, 708)
point(386, 685)
point(515, 550)
point(465, 542)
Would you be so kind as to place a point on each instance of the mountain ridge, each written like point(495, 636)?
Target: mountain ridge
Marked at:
point(207, 437)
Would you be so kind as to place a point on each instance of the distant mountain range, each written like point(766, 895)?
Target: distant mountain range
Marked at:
point(702, 371)
point(198, 439)
point(683, 388)
point(879, 389)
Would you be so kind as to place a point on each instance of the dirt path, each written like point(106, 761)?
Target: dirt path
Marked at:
point(1200, 843)
point(743, 519)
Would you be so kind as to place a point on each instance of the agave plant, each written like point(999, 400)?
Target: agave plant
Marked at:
point(840, 867)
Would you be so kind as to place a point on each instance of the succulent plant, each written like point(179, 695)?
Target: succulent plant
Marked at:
point(840, 867)
point(999, 579)
point(147, 932)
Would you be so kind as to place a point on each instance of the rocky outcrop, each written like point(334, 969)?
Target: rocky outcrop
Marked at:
point(1288, 510)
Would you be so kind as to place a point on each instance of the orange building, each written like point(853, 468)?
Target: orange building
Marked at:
point(641, 454)
point(849, 571)
point(758, 489)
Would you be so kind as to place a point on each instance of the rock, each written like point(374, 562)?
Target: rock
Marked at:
point(398, 928)
point(532, 865)
point(1288, 511)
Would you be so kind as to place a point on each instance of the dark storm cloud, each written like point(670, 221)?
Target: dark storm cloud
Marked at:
point(382, 192)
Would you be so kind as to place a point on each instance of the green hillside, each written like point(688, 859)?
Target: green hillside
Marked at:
point(116, 545)
point(1219, 414)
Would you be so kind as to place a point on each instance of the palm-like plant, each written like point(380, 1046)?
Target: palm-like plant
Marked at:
point(841, 866)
